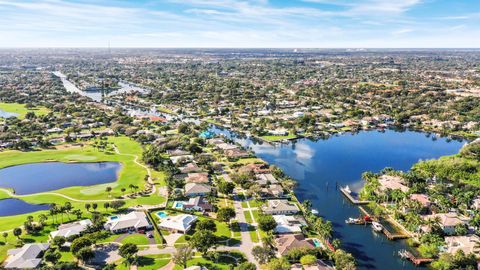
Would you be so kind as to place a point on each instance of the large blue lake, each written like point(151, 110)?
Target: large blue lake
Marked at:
point(48, 176)
point(319, 165)
point(11, 207)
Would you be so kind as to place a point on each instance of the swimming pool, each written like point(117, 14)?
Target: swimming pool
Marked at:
point(178, 205)
point(317, 243)
point(161, 214)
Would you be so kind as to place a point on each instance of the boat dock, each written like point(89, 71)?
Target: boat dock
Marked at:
point(351, 198)
point(404, 254)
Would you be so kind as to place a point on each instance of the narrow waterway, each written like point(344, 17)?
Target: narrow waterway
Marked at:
point(319, 165)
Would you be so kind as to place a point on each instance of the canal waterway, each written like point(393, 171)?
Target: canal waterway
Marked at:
point(125, 87)
point(319, 165)
point(48, 176)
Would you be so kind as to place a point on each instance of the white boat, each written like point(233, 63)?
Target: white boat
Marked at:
point(377, 226)
point(347, 189)
point(352, 220)
point(315, 212)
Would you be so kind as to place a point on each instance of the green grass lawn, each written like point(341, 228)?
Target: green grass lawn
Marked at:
point(137, 239)
point(131, 173)
point(148, 262)
point(273, 138)
point(21, 110)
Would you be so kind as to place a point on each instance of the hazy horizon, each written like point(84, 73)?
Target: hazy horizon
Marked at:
point(240, 24)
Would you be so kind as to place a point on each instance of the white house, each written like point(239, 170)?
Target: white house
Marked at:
point(178, 224)
point(69, 229)
point(133, 221)
point(26, 257)
point(287, 224)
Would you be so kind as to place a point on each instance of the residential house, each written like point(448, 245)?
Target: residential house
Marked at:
point(319, 265)
point(272, 191)
point(190, 168)
point(236, 153)
point(468, 244)
point(286, 242)
point(27, 257)
point(265, 179)
point(197, 204)
point(196, 189)
point(69, 229)
point(280, 207)
point(178, 224)
point(392, 182)
point(447, 221)
point(197, 178)
point(288, 224)
point(133, 221)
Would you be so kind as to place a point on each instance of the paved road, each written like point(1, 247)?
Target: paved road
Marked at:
point(246, 245)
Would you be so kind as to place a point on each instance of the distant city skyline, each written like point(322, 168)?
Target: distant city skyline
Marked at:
point(241, 23)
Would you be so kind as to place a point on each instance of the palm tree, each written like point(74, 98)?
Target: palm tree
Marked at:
point(5, 235)
point(108, 189)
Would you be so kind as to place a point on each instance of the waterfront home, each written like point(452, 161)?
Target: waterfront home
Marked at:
point(265, 179)
point(288, 224)
point(178, 224)
point(256, 168)
point(423, 199)
point(197, 178)
point(236, 153)
point(226, 146)
point(194, 204)
point(196, 189)
point(447, 221)
point(272, 191)
point(280, 207)
point(69, 229)
point(215, 141)
point(391, 182)
point(27, 257)
point(133, 221)
point(287, 242)
point(319, 265)
point(468, 244)
point(190, 168)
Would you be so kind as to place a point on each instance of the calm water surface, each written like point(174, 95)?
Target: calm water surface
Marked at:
point(4, 114)
point(319, 165)
point(11, 207)
point(41, 177)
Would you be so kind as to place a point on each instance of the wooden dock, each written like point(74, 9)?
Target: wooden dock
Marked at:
point(392, 236)
point(416, 261)
point(351, 198)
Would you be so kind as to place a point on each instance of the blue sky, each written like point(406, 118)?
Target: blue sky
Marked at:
point(241, 23)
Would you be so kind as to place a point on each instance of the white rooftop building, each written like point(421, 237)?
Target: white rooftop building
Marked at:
point(69, 229)
point(179, 224)
point(132, 221)
point(26, 257)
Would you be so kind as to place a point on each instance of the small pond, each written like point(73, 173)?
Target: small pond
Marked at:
point(4, 114)
point(41, 177)
point(11, 207)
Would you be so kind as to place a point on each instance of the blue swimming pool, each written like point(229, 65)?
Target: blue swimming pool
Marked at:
point(178, 205)
point(317, 243)
point(161, 214)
